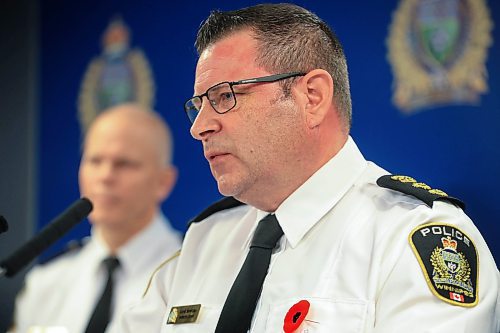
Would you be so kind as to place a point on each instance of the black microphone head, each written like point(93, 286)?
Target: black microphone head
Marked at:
point(4, 226)
point(74, 214)
point(83, 207)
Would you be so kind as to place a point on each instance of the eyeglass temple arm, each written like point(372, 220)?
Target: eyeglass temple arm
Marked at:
point(270, 78)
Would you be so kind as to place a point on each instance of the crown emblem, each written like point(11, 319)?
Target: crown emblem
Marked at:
point(449, 243)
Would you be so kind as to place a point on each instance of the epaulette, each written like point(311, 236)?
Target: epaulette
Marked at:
point(223, 204)
point(422, 191)
point(71, 246)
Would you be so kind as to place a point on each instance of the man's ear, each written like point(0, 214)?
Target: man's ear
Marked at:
point(316, 95)
point(167, 181)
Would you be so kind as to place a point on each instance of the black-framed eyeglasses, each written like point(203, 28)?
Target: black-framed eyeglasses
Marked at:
point(221, 96)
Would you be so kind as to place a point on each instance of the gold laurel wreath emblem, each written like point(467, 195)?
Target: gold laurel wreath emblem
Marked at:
point(88, 108)
point(437, 261)
point(413, 86)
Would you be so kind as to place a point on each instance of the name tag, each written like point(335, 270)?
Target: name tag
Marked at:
point(183, 314)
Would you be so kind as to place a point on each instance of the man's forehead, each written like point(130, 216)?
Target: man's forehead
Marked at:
point(230, 59)
point(236, 44)
point(121, 133)
point(115, 150)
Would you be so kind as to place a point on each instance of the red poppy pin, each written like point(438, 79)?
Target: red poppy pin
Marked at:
point(295, 316)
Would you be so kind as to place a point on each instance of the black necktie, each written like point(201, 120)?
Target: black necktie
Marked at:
point(237, 313)
point(102, 312)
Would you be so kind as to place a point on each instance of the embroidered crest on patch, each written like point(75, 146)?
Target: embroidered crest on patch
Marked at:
point(449, 261)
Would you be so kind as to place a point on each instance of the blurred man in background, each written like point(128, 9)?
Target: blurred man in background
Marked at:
point(126, 171)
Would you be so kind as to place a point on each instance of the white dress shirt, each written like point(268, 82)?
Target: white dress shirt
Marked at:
point(345, 250)
point(60, 296)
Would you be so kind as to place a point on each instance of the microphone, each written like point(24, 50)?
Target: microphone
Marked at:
point(4, 226)
point(74, 214)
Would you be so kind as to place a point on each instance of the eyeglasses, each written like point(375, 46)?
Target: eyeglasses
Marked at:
point(222, 97)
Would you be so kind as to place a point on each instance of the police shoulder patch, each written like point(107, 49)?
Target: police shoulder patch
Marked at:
point(449, 261)
point(422, 191)
point(223, 204)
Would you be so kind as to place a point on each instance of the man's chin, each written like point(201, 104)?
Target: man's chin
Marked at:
point(226, 190)
point(105, 221)
point(229, 187)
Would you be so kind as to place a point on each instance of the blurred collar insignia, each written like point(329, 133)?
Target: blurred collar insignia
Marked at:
point(438, 50)
point(183, 314)
point(449, 261)
point(118, 75)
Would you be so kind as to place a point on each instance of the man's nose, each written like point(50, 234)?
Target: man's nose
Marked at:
point(206, 123)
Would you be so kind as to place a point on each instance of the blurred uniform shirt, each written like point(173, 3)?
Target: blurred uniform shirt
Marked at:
point(60, 296)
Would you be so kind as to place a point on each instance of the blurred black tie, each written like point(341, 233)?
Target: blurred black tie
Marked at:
point(237, 313)
point(102, 312)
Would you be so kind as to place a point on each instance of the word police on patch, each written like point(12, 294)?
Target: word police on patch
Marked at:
point(449, 262)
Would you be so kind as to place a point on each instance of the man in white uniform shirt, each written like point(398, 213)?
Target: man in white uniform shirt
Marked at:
point(126, 171)
point(345, 246)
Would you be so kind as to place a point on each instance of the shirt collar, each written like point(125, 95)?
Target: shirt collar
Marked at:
point(320, 193)
point(136, 249)
point(141, 245)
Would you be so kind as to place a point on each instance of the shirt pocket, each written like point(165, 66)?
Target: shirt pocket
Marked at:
point(324, 316)
point(206, 321)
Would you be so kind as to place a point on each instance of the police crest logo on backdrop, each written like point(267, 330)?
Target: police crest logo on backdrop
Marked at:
point(438, 50)
point(118, 75)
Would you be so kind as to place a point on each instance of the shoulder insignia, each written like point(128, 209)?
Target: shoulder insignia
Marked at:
point(449, 261)
point(223, 204)
point(71, 246)
point(422, 191)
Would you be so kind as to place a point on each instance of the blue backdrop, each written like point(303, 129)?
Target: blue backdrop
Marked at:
point(454, 148)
